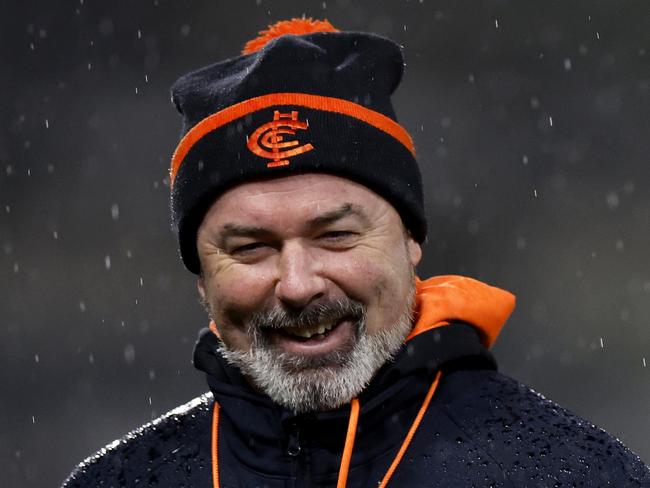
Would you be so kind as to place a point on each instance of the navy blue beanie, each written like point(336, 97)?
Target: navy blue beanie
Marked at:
point(303, 98)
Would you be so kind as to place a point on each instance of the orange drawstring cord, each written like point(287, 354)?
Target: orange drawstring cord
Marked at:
point(215, 445)
point(411, 432)
point(349, 440)
point(349, 444)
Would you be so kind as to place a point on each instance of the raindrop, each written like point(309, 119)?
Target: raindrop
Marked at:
point(9, 169)
point(55, 234)
point(82, 306)
point(29, 171)
point(36, 358)
point(496, 23)
point(620, 245)
point(141, 281)
point(31, 46)
point(567, 64)
point(598, 35)
point(404, 27)
point(129, 254)
point(524, 159)
point(107, 262)
point(91, 358)
point(550, 121)
point(535, 193)
point(129, 353)
point(146, 78)
point(139, 34)
point(33, 419)
point(612, 200)
point(7, 208)
point(324, 5)
point(47, 124)
point(602, 345)
point(90, 66)
point(185, 30)
point(152, 374)
point(115, 211)
point(624, 314)
point(470, 78)
point(149, 400)
point(50, 168)
point(644, 365)
point(16, 267)
point(136, 90)
point(521, 243)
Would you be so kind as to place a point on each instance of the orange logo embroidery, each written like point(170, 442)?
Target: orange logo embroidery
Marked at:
point(268, 139)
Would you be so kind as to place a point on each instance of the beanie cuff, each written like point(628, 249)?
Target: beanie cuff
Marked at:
point(315, 102)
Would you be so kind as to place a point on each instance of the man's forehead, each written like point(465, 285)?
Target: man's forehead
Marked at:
point(310, 198)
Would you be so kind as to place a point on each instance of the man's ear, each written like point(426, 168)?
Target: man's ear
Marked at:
point(414, 251)
point(200, 286)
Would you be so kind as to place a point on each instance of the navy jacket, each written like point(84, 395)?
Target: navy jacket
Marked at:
point(482, 429)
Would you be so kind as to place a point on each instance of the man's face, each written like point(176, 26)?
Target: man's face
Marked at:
point(310, 281)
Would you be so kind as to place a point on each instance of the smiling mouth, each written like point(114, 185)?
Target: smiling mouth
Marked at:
point(315, 331)
point(326, 337)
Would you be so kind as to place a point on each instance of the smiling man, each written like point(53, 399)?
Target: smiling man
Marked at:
point(298, 203)
point(310, 301)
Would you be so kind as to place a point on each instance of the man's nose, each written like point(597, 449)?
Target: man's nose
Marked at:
point(299, 280)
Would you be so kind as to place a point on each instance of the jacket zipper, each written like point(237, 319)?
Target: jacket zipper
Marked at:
point(293, 451)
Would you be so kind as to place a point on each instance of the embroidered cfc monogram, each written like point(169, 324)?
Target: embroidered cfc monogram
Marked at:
point(268, 140)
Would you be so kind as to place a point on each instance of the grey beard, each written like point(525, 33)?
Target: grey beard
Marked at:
point(305, 384)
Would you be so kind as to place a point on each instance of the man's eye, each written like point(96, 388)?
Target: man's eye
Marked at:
point(337, 235)
point(246, 248)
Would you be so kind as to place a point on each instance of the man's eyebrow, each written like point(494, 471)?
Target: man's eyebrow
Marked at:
point(230, 230)
point(337, 214)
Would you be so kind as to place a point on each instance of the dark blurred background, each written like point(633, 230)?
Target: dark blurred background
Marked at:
point(531, 121)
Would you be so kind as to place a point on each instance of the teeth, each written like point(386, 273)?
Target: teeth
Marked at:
point(308, 332)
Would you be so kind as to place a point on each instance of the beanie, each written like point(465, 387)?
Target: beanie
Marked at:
point(302, 97)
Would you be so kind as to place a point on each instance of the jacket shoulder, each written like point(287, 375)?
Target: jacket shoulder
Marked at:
point(174, 448)
point(533, 439)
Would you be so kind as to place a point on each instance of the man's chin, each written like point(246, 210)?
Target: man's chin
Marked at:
point(319, 382)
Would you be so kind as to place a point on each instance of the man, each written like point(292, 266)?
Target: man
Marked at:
point(298, 203)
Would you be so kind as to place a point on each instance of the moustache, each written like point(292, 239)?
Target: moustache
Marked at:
point(332, 311)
